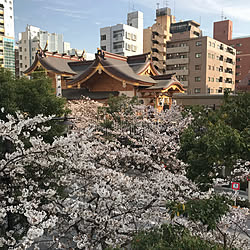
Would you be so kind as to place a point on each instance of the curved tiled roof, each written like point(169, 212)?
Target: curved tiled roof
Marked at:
point(117, 67)
point(122, 68)
point(53, 62)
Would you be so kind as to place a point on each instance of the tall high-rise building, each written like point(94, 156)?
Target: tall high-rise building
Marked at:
point(223, 31)
point(155, 38)
point(7, 40)
point(32, 38)
point(124, 39)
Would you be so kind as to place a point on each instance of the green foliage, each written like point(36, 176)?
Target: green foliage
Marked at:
point(216, 138)
point(32, 97)
point(207, 211)
point(170, 237)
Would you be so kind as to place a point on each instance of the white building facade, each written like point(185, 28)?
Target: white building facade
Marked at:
point(30, 40)
point(7, 35)
point(124, 39)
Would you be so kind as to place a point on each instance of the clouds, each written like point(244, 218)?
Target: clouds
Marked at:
point(79, 14)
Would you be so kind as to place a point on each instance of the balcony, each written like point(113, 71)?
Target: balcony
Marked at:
point(160, 48)
point(159, 56)
point(177, 49)
point(229, 60)
point(177, 61)
point(229, 71)
point(183, 72)
point(230, 50)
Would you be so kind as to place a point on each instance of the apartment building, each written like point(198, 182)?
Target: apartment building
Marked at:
point(156, 36)
point(7, 40)
point(31, 39)
point(124, 39)
point(223, 31)
point(202, 64)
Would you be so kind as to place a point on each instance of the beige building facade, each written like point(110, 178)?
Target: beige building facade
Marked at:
point(156, 36)
point(202, 64)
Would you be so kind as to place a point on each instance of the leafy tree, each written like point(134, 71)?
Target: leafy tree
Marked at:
point(169, 237)
point(31, 97)
point(216, 140)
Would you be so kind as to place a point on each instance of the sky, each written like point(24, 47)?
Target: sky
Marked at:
point(80, 20)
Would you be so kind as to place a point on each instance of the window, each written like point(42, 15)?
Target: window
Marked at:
point(198, 43)
point(238, 59)
point(213, 45)
point(25, 49)
point(208, 90)
point(238, 73)
point(248, 82)
point(133, 37)
point(128, 35)
point(197, 79)
point(133, 48)
point(209, 67)
point(103, 47)
point(118, 45)
point(237, 66)
point(209, 79)
point(197, 67)
point(21, 65)
point(239, 44)
point(212, 79)
point(198, 55)
point(24, 41)
point(118, 34)
point(128, 46)
point(197, 90)
point(103, 37)
point(238, 52)
point(20, 49)
point(26, 66)
point(21, 57)
point(210, 43)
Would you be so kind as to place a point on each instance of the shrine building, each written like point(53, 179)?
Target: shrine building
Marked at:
point(108, 74)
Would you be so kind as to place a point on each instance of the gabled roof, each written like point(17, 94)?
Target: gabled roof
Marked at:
point(53, 62)
point(135, 70)
point(166, 82)
point(119, 67)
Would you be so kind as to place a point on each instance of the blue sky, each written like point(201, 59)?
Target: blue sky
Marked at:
point(80, 20)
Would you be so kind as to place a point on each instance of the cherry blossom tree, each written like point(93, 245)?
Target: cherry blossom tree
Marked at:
point(97, 186)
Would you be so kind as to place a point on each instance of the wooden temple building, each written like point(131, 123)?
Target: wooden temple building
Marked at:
point(74, 77)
